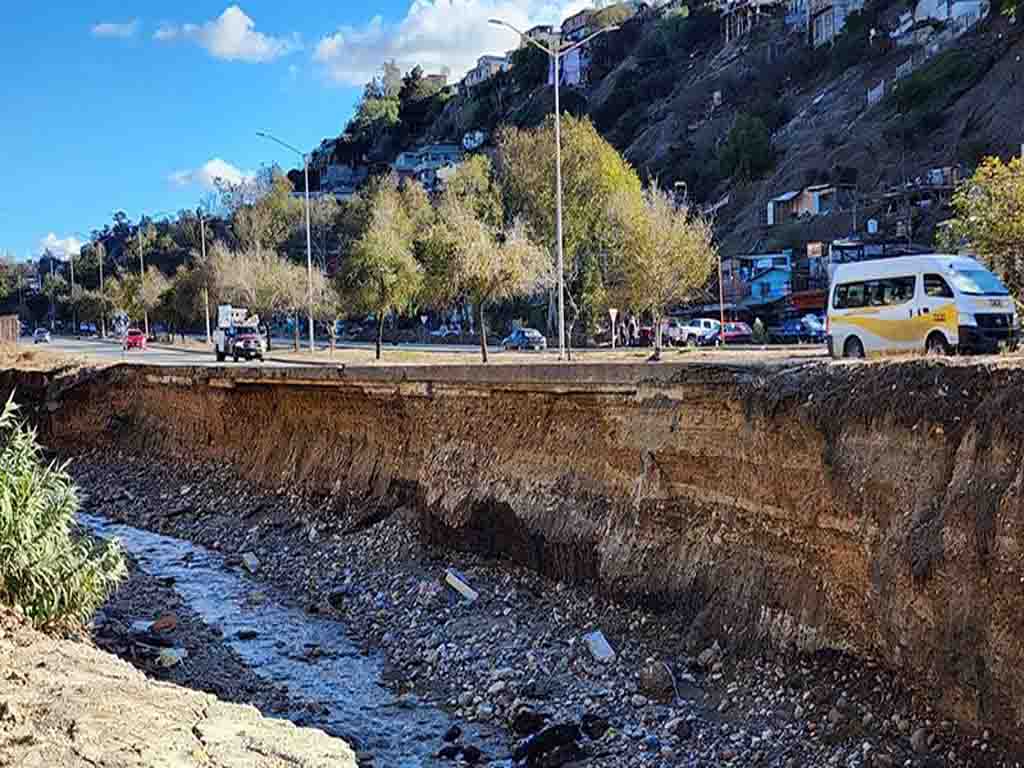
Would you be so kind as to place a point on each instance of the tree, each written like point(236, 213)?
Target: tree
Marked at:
point(664, 254)
point(594, 174)
point(381, 275)
point(474, 183)
point(989, 211)
point(267, 221)
point(154, 285)
point(747, 152)
point(530, 67)
point(470, 260)
point(54, 288)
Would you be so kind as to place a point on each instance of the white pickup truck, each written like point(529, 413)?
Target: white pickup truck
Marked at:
point(701, 331)
point(238, 335)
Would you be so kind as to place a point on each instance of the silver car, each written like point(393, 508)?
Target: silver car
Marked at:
point(41, 336)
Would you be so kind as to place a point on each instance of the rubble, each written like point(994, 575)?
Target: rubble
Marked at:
point(525, 632)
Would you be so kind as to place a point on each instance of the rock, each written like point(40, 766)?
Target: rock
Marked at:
point(657, 682)
point(460, 584)
point(466, 699)
point(551, 740)
point(497, 688)
point(336, 598)
point(247, 634)
point(166, 623)
point(450, 752)
point(680, 728)
point(485, 711)
point(452, 734)
point(835, 716)
point(594, 726)
point(526, 721)
point(638, 701)
point(472, 755)
point(9, 713)
point(599, 648)
point(919, 741)
point(559, 756)
point(251, 562)
point(709, 656)
point(881, 760)
point(170, 657)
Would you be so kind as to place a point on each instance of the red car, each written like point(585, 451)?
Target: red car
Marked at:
point(738, 333)
point(135, 339)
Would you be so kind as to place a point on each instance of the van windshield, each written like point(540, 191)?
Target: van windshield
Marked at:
point(978, 282)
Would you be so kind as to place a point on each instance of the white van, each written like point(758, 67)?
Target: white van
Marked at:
point(936, 304)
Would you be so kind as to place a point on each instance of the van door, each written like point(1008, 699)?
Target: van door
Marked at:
point(891, 303)
point(936, 308)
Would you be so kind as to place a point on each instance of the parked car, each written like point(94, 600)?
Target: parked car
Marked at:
point(814, 329)
point(445, 332)
point(525, 338)
point(41, 336)
point(702, 331)
point(737, 333)
point(134, 339)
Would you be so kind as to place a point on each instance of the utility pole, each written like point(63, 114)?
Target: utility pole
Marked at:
point(309, 238)
point(556, 54)
point(142, 281)
point(206, 289)
point(103, 311)
point(74, 307)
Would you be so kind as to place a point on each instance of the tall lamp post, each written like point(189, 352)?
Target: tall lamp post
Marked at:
point(309, 237)
point(556, 54)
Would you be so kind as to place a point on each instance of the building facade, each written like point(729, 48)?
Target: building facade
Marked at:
point(486, 68)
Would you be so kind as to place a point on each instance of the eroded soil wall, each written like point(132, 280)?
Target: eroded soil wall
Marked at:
point(872, 508)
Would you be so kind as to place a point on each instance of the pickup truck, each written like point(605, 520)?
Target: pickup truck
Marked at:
point(700, 331)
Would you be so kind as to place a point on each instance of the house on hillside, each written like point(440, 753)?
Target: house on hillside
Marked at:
point(756, 279)
point(545, 34)
point(578, 26)
point(486, 68)
point(741, 16)
point(424, 163)
point(816, 200)
point(826, 19)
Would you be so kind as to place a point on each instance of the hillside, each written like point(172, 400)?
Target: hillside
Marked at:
point(765, 115)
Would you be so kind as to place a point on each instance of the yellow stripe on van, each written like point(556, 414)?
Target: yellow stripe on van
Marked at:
point(904, 329)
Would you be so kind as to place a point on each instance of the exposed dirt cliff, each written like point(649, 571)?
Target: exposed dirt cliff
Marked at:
point(874, 508)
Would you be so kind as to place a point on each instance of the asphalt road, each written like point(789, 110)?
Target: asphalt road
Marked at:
point(111, 350)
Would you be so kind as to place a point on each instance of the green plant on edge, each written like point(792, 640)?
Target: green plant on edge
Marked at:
point(52, 574)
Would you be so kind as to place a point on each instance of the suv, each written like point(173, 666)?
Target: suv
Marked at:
point(525, 338)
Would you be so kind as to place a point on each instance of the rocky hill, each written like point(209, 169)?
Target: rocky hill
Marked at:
point(767, 114)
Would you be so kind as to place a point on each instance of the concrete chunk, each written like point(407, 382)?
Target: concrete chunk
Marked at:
point(458, 582)
point(599, 647)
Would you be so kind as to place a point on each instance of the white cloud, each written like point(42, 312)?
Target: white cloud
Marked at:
point(115, 29)
point(232, 37)
point(209, 173)
point(60, 246)
point(434, 34)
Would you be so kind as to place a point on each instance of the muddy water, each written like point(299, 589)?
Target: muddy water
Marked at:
point(309, 654)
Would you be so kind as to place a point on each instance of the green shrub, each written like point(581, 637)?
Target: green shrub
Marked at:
point(941, 81)
point(747, 152)
point(53, 574)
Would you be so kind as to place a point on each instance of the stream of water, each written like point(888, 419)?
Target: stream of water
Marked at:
point(396, 731)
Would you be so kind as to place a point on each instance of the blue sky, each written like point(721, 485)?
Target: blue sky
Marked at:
point(135, 106)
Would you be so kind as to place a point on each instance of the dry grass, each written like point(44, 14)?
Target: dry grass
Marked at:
point(31, 359)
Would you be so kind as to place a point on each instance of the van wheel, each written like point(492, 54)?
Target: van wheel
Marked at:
point(853, 348)
point(936, 345)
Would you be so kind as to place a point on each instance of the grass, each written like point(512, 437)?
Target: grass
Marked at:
point(49, 571)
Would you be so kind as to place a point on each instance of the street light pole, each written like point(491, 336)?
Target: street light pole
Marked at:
point(556, 55)
point(206, 288)
point(142, 283)
point(309, 236)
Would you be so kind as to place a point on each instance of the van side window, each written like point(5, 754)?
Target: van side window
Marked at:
point(899, 290)
point(849, 296)
point(936, 287)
